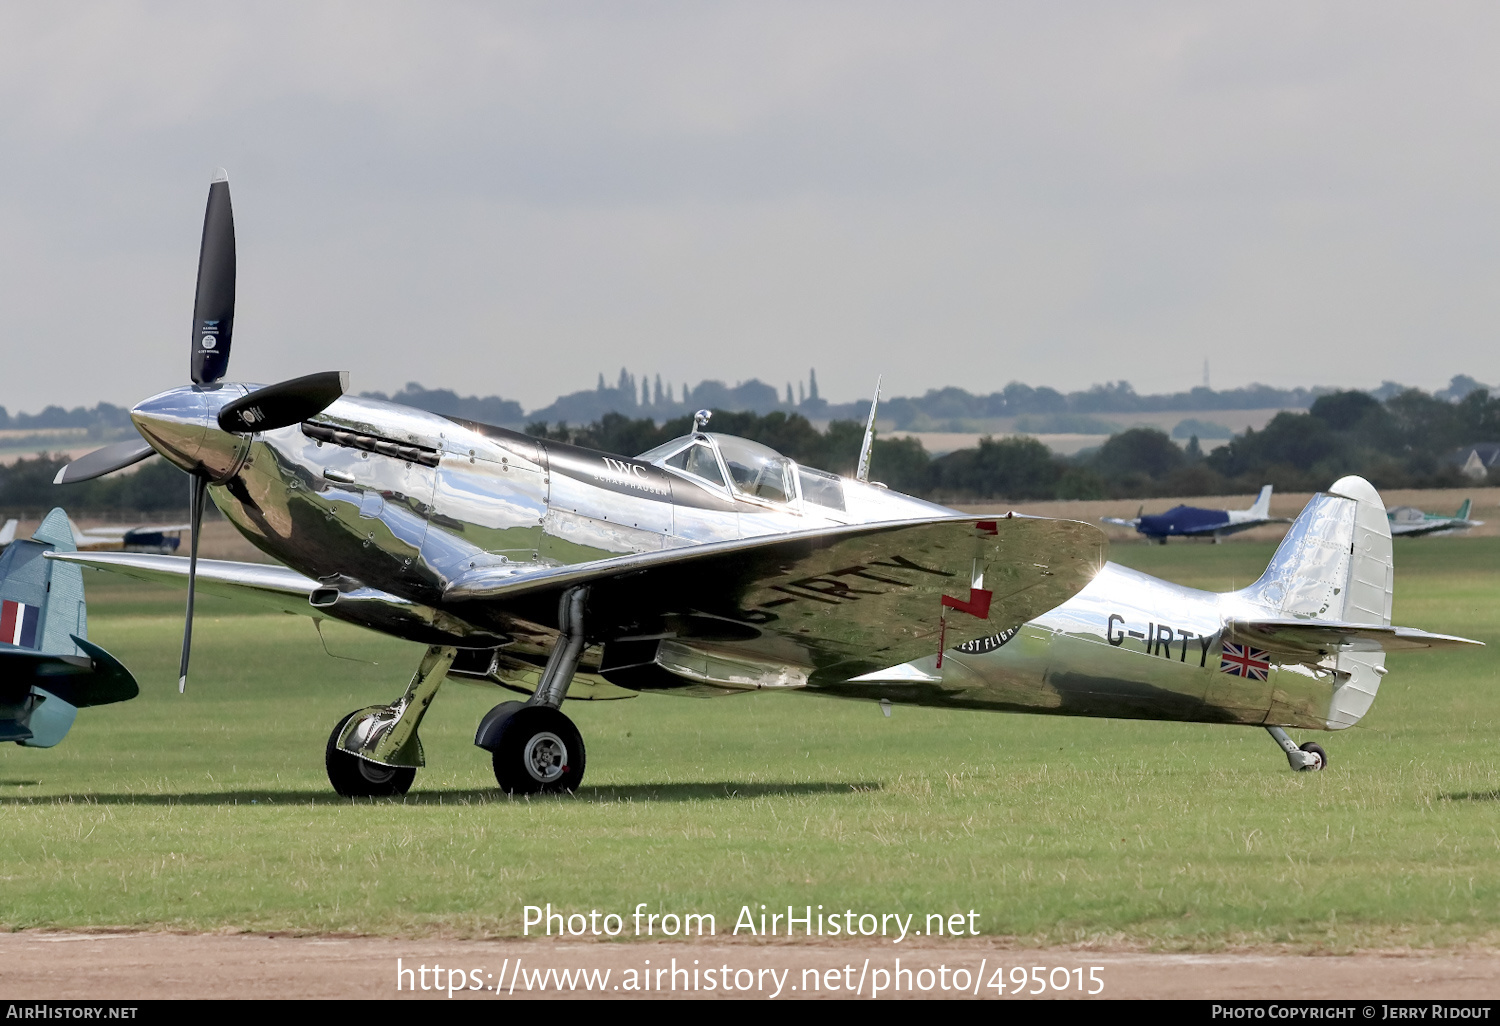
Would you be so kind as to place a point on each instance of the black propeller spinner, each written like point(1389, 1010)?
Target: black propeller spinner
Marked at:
point(264, 409)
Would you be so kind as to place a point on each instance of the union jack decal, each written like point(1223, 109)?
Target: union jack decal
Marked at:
point(1244, 661)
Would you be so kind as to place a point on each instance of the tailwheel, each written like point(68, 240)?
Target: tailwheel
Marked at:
point(1320, 757)
point(535, 749)
point(1303, 758)
point(353, 777)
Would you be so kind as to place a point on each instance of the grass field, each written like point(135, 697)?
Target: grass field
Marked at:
point(211, 811)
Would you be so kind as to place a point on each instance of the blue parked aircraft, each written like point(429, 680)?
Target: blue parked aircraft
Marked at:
point(1193, 522)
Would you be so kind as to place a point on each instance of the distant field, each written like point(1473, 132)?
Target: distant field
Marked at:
point(24, 443)
point(211, 811)
point(1283, 504)
point(220, 539)
point(1066, 441)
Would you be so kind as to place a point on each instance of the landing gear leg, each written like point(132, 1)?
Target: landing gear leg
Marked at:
point(1306, 758)
point(375, 751)
point(535, 748)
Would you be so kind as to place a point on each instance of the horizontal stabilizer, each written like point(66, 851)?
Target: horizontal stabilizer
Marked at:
point(94, 678)
point(1305, 639)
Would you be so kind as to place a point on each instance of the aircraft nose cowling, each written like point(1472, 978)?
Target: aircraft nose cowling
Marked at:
point(182, 426)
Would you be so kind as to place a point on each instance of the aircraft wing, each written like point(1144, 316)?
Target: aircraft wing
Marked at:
point(1421, 528)
point(838, 602)
point(272, 587)
point(1118, 522)
point(1305, 640)
point(117, 533)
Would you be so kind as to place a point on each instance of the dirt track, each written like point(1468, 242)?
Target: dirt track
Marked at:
point(40, 965)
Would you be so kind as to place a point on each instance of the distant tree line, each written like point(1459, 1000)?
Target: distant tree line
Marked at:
point(26, 488)
point(98, 419)
point(939, 409)
point(1408, 441)
point(1046, 409)
point(1411, 439)
point(448, 403)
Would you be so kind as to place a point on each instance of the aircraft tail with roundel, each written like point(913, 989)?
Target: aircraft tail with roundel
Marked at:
point(48, 668)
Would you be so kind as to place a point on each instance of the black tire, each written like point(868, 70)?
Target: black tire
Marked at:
point(353, 777)
point(1316, 749)
point(538, 751)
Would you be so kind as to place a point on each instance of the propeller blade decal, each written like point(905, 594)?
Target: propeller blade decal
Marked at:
point(213, 309)
point(104, 461)
point(199, 494)
point(284, 403)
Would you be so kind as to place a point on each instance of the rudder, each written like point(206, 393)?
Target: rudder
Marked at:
point(1335, 563)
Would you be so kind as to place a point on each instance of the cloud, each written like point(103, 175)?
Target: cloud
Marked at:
point(511, 198)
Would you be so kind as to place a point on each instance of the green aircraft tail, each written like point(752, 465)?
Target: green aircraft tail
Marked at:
point(1463, 511)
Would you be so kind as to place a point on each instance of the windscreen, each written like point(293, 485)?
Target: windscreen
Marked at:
point(699, 460)
point(756, 470)
point(820, 488)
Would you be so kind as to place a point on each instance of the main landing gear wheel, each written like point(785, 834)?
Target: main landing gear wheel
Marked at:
point(538, 751)
point(353, 777)
point(1314, 749)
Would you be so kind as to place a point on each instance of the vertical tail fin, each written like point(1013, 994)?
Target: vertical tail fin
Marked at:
point(41, 609)
point(1463, 511)
point(1262, 505)
point(1336, 564)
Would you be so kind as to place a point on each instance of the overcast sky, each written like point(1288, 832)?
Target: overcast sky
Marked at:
point(509, 198)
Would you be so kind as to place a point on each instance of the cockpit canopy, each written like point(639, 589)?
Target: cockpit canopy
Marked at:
point(753, 470)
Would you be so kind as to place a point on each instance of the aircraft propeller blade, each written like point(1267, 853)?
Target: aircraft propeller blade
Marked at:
point(285, 403)
point(213, 309)
point(104, 461)
point(199, 495)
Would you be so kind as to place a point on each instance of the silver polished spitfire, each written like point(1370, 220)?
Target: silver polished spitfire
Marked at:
point(714, 565)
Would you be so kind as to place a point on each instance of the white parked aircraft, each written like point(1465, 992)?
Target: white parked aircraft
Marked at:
point(1410, 522)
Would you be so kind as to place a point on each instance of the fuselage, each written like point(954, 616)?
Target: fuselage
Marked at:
point(1130, 646)
point(387, 506)
point(1196, 522)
